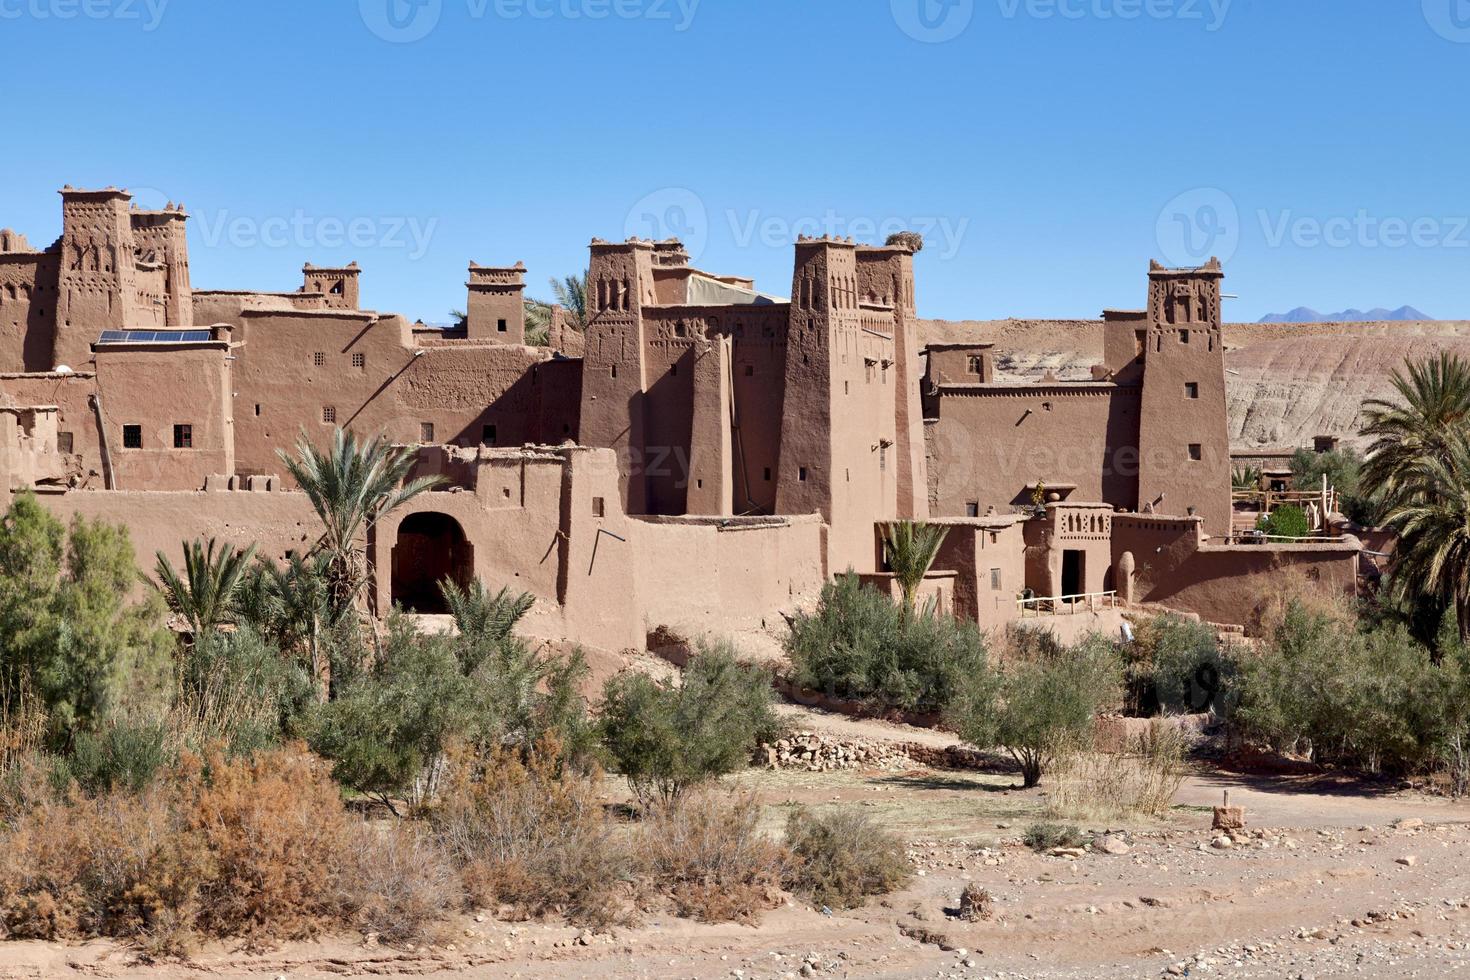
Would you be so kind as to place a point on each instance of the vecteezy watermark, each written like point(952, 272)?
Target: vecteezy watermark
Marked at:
point(942, 235)
point(933, 21)
point(673, 212)
point(1450, 19)
point(1210, 14)
point(302, 230)
point(678, 212)
point(1364, 230)
point(146, 13)
point(406, 21)
point(401, 21)
point(1198, 225)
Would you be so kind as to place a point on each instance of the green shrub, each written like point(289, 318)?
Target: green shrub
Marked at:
point(859, 646)
point(1037, 708)
point(667, 737)
point(1174, 665)
point(387, 731)
point(1370, 699)
point(842, 858)
point(69, 634)
point(238, 690)
point(1286, 521)
point(119, 756)
point(1343, 469)
point(1042, 837)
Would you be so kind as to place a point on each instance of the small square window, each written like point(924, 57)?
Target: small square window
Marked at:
point(183, 437)
point(801, 474)
point(257, 409)
point(426, 432)
point(359, 360)
point(487, 435)
point(1196, 451)
point(64, 442)
point(329, 415)
point(972, 509)
point(974, 363)
point(749, 371)
point(132, 437)
point(319, 359)
point(599, 507)
point(1184, 336)
point(995, 580)
point(1191, 389)
point(768, 474)
point(500, 326)
point(614, 370)
point(674, 370)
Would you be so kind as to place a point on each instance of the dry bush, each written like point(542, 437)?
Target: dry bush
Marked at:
point(280, 841)
point(1141, 778)
point(1042, 837)
point(404, 883)
point(1283, 588)
point(976, 904)
point(258, 848)
point(74, 867)
point(842, 858)
point(705, 853)
point(527, 834)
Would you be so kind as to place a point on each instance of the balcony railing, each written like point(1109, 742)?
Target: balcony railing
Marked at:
point(1066, 605)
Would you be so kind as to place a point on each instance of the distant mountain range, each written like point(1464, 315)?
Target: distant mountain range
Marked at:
point(1304, 315)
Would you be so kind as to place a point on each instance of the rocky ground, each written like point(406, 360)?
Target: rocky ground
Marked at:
point(1329, 878)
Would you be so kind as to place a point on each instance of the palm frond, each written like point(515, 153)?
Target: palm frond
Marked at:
point(204, 595)
point(911, 547)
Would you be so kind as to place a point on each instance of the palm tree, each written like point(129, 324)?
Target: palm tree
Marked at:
point(351, 485)
point(1433, 403)
point(1432, 557)
point(1245, 478)
point(205, 594)
point(912, 547)
point(538, 323)
point(571, 295)
point(480, 616)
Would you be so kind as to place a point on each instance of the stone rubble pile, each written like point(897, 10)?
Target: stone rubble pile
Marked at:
point(817, 752)
point(823, 752)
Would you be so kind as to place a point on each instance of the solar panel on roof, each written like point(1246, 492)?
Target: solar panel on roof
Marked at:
point(155, 337)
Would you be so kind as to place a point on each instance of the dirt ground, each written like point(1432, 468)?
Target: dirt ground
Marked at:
point(1323, 884)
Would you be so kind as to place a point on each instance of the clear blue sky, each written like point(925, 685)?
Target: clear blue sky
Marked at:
point(1050, 147)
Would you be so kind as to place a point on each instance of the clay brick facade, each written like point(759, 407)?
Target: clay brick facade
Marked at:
point(703, 455)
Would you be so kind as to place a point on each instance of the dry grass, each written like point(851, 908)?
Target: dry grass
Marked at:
point(706, 854)
point(256, 848)
point(531, 837)
point(408, 887)
point(1141, 779)
point(843, 858)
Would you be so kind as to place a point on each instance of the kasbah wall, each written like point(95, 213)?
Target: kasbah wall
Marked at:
point(703, 456)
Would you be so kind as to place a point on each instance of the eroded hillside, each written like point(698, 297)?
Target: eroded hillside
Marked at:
point(1286, 383)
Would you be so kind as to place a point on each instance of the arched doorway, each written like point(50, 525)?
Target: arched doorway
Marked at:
point(430, 548)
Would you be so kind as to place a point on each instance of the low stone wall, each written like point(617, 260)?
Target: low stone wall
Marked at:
point(822, 752)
